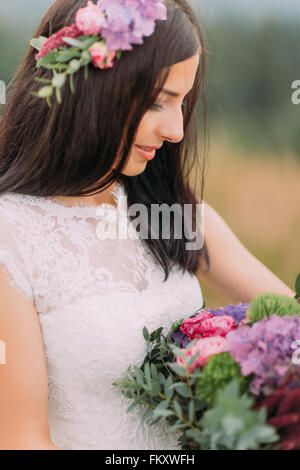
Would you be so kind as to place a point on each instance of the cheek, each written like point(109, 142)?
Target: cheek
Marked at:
point(146, 127)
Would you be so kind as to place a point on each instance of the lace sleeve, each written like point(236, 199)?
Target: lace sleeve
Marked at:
point(12, 261)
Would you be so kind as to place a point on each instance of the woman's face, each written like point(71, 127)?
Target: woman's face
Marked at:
point(164, 121)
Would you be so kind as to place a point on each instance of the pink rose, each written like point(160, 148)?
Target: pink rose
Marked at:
point(206, 324)
point(192, 326)
point(90, 19)
point(206, 348)
point(99, 53)
point(56, 40)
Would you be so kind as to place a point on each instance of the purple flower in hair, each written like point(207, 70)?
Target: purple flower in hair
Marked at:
point(128, 21)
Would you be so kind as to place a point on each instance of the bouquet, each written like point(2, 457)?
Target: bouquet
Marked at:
point(225, 379)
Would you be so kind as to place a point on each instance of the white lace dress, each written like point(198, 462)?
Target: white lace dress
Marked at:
point(93, 297)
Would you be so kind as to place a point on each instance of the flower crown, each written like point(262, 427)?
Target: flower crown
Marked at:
point(100, 33)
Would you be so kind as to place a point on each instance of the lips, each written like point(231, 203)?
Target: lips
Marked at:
point(146, 154)
point(148, 148)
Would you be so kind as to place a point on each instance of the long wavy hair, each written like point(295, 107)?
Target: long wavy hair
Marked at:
point(69, 149)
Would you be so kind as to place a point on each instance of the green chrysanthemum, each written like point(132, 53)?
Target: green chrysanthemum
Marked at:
point(264, 305)
point(218, 371)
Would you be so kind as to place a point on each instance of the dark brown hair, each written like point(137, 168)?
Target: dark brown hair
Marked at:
point(68, 149)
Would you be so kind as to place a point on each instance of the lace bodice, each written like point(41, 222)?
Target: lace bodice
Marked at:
point(93, 296)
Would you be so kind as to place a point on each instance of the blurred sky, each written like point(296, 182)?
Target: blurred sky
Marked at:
point(30, 11)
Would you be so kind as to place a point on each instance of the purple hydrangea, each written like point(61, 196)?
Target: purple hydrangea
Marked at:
point(266, 350)
point(128, 21)
point(237, 311)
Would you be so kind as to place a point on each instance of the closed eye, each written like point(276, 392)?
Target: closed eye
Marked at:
point(158, 107)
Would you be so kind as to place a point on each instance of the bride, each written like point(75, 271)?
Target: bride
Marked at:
point(73, 302)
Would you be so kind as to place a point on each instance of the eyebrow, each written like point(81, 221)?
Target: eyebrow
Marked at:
point(169, 92)
point(172, 93)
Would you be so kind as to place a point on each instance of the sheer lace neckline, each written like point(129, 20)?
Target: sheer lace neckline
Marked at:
point(81, 209)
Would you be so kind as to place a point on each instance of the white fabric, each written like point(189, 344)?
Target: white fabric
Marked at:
point(93, 298)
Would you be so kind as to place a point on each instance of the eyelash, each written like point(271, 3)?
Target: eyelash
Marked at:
point(157, 107)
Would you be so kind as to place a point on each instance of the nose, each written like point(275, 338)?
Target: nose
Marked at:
point(172, 130)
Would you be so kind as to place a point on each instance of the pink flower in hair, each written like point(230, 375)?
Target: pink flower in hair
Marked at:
point(102, 58)
point(56, 40)
point(90, 19)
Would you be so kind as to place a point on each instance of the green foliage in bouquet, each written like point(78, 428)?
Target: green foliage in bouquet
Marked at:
point(233, 424)
point(167, 392)
point(218, 371)
point(157, 386)
point(264, 305)
point(297, 287)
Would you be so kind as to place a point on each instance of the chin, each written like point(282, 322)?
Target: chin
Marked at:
point(134, 171)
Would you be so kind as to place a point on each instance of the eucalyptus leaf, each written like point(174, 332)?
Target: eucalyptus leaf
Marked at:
point(45, 92)
point(178, 425)
point(182, 389)
point(50, 58)
point(133, 386)
point(74, 66)
point(86, 58)
point(163, 405)
point(73, 42)
point(156, 334)
point(61, 67)
point(178, 352)
point(177, 408)
point(191, 410)
point(194, 434)
point(181, 371)
point(139, 375)
point(37, 43)
point(86, 72)
point(169, 392)
point(48, 102)
point(59, 80)
point(43, 80)
point(155, 389)
point(163, 413)
point(72, 85)
point(146, 334)
point(154, 372)
point(132, 406)
point(88, 42)
point(161, 378)
point(148, 373)
point(67, 55)
point(149, 348)
point(146, 415)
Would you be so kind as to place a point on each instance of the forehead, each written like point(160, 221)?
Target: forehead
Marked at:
point(182, 75)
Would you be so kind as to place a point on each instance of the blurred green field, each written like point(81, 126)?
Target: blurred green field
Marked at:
point(258, 196)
